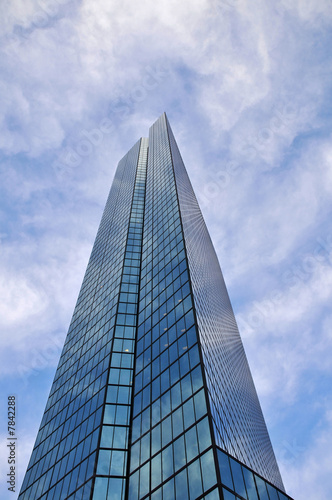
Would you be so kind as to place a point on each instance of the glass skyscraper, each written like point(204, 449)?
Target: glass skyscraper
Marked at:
point(153, 397)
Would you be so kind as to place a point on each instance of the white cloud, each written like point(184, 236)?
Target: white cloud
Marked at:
point(281, 209)
point(229, 51)
point(18, 301)
point(38, 291)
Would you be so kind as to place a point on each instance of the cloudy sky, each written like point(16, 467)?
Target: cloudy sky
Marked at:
point(247, 89)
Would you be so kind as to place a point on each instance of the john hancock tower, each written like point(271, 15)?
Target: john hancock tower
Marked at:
point(153, 396)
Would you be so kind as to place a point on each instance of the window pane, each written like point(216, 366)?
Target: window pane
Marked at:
point(208, 470)
point(156, 439)
point(179, 453)
point(104, 462)
point(100, 489)
point(272, 492)
point(200, 405)
point(115, 488)
point(166, 431)
point(181, 486)
point(228, 495)
point(145, 448)
point(214, 495)
point(134, 456)
point(261, 487)
point(144, 479)
point(195, 480)
point(157, 495)
point(168, 489)
point(122, 415)
point(250, 484)
point(225, 470)
point(238, 478)
point(120, 437)
point(109, 414)
point(177, 422)
point(282, 496)
point(191, 444)
point(156, 471)
point(204, 437)
point(188, 413)
point(167, 455)
point(196, 377)
point(118, 463)
point(133, 487)
point(107, 436)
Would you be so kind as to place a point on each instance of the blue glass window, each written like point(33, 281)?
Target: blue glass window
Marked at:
point(181, 486)
point(261, 488)
point(225, 469)
point(228, 495)
point(272, 492)
point(250, 484)
point(208, 470)
point(156, 471)
point(195, 480)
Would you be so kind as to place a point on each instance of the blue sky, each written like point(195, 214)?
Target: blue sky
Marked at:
point(247, 89)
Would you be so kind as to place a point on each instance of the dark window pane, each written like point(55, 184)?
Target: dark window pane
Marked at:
point(238, 478)
point(272, 492)
point(261, 487)
point(195, 480)
point(168, 489)
point(208, 470)
point(144, 479)
point(250, 484)
point(100, 489)
point(181, 486)
point(204, 436)
point(228, 495)
point(156, 471)
point(225, 469)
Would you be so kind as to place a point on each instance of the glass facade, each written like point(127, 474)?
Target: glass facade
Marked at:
point(153, 397)
point(238, 422)
point(239, 482)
